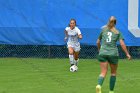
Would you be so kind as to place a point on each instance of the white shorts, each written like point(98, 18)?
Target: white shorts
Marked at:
point(75, 46)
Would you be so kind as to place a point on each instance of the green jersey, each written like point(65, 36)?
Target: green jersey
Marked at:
point(108, 42)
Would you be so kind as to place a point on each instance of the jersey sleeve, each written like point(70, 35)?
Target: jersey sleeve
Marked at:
point(66, 29)
point(103, 28)
point(78, 31)
point(120, 36)
point(100, 36)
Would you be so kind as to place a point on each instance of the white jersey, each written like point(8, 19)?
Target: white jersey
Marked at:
point(72, 35)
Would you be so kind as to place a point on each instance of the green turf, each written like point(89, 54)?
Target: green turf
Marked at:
point(32, 75)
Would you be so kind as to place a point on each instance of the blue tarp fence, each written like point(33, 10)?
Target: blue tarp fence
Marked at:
point(42, 22)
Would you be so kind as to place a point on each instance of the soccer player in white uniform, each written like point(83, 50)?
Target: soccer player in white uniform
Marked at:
point(73, 34)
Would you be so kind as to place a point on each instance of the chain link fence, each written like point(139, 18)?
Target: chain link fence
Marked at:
point(47, 51)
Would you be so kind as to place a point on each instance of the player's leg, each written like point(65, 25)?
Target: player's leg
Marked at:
point(113, 76)
point(71, 56)
point(76, 57)
point(104, 69)
point(113, 66)
point(76, 53)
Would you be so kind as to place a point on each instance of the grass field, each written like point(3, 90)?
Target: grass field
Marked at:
point(32, 75)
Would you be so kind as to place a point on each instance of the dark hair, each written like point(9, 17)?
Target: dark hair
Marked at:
point(115, 21)
point(72, 20)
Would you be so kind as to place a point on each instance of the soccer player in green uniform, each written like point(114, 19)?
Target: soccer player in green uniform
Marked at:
point(108, 53)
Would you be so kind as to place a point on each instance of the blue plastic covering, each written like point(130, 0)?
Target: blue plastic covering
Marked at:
point(42, 22)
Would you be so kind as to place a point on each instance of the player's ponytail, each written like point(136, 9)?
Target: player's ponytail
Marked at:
point(111, 25)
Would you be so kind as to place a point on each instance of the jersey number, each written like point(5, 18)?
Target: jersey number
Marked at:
point(109, 34)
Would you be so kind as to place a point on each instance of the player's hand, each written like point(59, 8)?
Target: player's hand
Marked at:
point(80, 36)
point(65, 39)
point(128, 56)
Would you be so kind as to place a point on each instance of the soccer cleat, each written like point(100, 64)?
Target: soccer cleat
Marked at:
point(111, 91)
point(98, 89)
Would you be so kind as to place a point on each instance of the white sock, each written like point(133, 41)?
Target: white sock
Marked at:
point(71, 59)
point(76, 62)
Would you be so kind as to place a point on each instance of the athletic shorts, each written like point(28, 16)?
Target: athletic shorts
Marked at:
point(108, 58)
point(75, 46)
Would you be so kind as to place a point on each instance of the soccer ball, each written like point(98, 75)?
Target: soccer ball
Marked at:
point(73, 68)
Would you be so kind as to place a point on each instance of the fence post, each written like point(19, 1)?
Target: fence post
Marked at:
point(49, 51)
point(128, 48)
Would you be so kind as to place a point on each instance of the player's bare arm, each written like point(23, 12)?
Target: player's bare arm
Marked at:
point(98, 44)
point(80, 36)
point(124, 48)
point(66, 35)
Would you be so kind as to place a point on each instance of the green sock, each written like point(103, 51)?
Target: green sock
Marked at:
point(112, 82)
point(100, 80)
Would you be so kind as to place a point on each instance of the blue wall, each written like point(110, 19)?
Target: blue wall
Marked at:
point(42, 22)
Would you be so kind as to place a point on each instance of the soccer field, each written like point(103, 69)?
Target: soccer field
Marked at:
point(32, 75)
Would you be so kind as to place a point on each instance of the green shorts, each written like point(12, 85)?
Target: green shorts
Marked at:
point(108, 58)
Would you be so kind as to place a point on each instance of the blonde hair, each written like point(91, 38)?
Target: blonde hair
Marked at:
point(111, 25)
point(114, 30)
